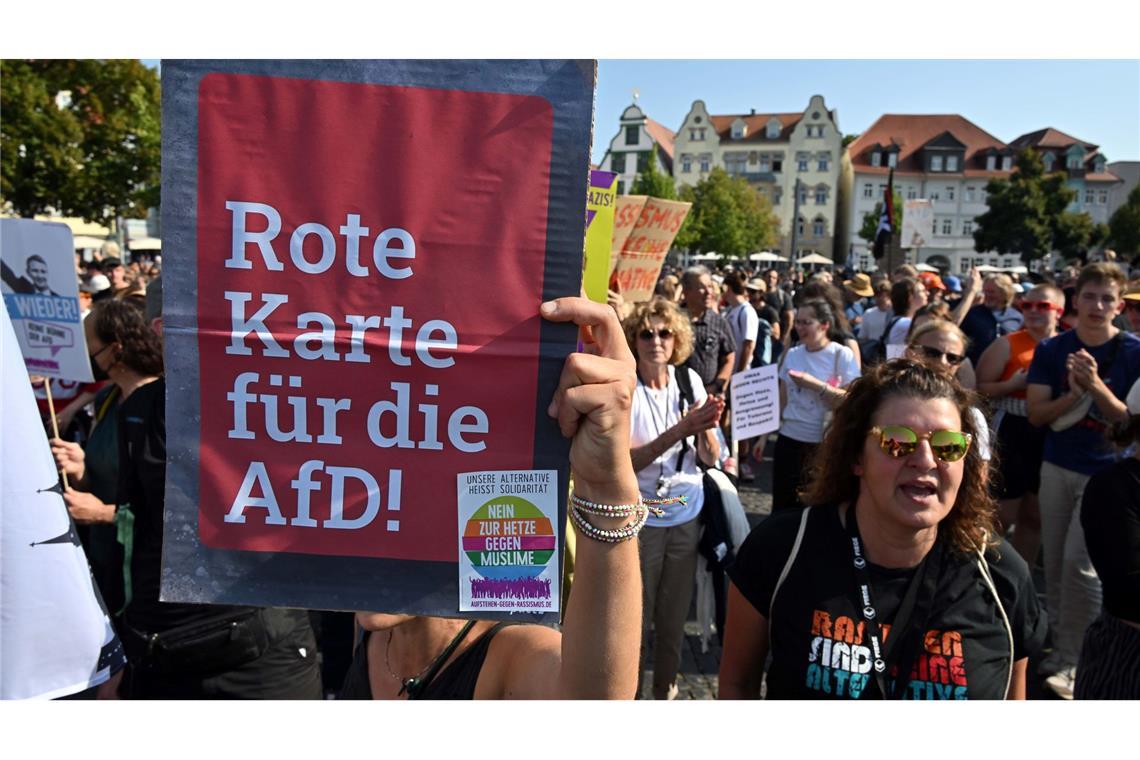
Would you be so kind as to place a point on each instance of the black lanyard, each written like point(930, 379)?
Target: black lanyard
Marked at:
point(914, 606)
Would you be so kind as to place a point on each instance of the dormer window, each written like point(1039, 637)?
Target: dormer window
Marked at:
point(936, 163)
point(991, 163)
point(739, 130)
point(772, 130)
point(1048, 160)
point(892, 159)
point(1074, 162)
point(876, 158)
point(1098, 166)
point(1007, 163)
point(951, 163)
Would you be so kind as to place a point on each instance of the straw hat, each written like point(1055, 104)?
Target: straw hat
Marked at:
point(860, 285)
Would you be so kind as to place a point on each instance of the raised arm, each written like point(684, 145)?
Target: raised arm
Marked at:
point(597, 657)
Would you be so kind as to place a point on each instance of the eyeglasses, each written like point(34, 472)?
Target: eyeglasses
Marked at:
point(101, 350)
point(1041, 306)
point(936, 355)
point(899, 441)
point(664, 334)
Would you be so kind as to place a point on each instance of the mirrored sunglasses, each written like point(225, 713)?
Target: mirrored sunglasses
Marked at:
point(899, 441)
point(1040, 306)
point(664, 334)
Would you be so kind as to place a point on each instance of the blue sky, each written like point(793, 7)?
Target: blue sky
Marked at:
point(1096, 101)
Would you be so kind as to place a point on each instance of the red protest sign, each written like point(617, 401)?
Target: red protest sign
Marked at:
point(347, 377)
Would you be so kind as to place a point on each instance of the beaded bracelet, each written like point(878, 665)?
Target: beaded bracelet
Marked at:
point(624, 510)
point(609, 536)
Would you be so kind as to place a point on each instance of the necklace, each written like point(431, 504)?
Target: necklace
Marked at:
point(413, 685)
point(658, 429)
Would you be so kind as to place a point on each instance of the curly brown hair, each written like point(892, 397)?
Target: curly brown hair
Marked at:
point(121, 321)
point(972, 521)
point(669, 313)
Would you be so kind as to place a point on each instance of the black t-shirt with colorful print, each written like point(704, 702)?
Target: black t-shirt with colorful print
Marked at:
point(816, 627)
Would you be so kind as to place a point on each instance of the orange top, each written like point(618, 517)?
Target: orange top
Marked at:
point(1021, 348)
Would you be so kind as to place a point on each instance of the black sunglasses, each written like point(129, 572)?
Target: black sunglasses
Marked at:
point(934, 353)
point(664, 334)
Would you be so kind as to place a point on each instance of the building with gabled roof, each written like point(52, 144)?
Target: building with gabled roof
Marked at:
point(1086, 169)
point(775, 153)
point(944, 158)
point(630, 148)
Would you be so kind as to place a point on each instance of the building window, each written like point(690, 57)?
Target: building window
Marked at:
point(964, 266)
point(704, 164)
point(777, 194)
point(773, 130)
point(1048, 161)
point(736, 163)
point(1102, 197)
point(892, 159)
point(868, 190)
point(1006, 163)
point(686, 164)
point(617, 162)
point(820, 196)
point(991, 163)
point(631, 135)
point(819, 228)
point(951, 163)
point(911, 192)
point(936, 163)
point(969, 193)
point(1074, 162)
point(1089, 195)
point(765, 162)
point(823, 163)
point(802, 162)
point(967, 228)
point(947, 226)
point(876, 159)
point(803, 196)
point(949, 192)
point(935, 197)
point(777, 165)
point(1098, 167)
point(993, 261)
point(800, 227)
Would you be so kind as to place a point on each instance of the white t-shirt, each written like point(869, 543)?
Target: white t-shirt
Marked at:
point(655, 411)
point(802, 419)
point(745, 324)
point(898, 332)
point(982, 439)
point(874, 322)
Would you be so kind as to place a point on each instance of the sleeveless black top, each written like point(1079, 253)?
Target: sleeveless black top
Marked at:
point(456, 681)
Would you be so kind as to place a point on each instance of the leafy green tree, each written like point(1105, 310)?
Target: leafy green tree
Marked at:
point(871, 220)
point(1027, 215)
point(1124, 226)
point(654, 182)
point(728, 217)
point(848, 139)
point(80, 137)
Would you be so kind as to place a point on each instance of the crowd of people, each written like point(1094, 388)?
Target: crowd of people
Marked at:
point(939, 438)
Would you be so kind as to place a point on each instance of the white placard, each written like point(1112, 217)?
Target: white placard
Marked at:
point(755, 402)
point(917, 223)
point(508, 541)
point(41, 293)
point(55, 637)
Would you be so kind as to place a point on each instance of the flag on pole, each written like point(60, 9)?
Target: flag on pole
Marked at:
point(886, 219)
point(55, 636)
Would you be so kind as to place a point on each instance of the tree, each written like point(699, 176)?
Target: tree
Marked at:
point(848, 139)
point(1027, 215)
point(1124, 226)
point(653, 182)
point(728, 217)
point(80, 138)
point(870, 226)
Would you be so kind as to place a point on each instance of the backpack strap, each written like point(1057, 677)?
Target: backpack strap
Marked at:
point(984, 567)
point(788, 565)
point(685, 386)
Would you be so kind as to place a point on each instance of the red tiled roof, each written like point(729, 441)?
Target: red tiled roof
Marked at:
point(755, 125)
point(661, 134)
point(1049, 138)
point(912, 132)
point(1102, 177)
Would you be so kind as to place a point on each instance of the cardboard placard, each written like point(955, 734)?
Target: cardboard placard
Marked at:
point(755, 402)
point(41, 294)
point(353, 321)
point(645, 241)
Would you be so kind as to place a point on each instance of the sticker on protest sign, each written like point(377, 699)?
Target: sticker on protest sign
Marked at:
point(356, 321)
point(508, 534)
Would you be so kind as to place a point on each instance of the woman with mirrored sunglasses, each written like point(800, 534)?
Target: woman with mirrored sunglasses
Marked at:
point(893, 583)
point(1003, 370)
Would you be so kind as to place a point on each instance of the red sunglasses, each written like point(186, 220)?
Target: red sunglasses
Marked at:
point(1041, 306)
